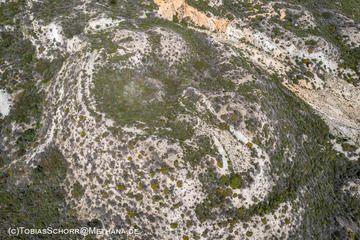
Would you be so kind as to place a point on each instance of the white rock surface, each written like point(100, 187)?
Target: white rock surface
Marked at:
point(4, 103)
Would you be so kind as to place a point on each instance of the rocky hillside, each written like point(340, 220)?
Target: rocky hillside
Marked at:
point(184, 119)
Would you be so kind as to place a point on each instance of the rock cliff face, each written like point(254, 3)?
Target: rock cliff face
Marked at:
point(181, 10)
point(182, 119)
